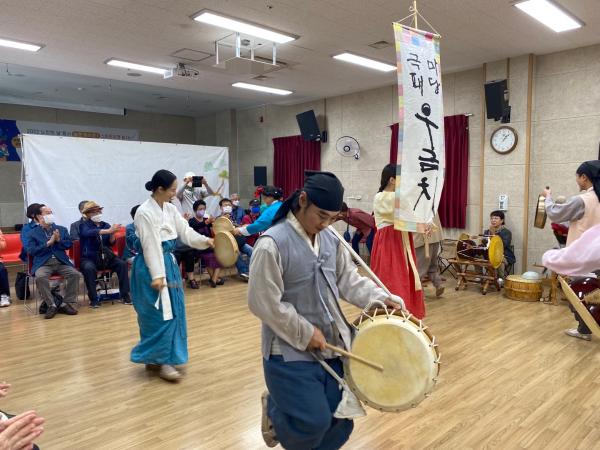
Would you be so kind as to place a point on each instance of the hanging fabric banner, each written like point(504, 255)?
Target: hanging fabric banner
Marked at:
point(420, 171)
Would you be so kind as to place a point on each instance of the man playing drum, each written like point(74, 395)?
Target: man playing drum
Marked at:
point(298, 273)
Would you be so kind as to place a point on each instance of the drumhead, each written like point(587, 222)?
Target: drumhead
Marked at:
point(496, 251)
point(540, 213)
point(408, 355)
point(226, 249)
point(222, 224)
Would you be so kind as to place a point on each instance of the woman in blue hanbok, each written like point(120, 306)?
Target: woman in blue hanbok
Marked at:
point(156, 285)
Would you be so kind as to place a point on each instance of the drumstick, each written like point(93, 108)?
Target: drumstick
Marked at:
point(374, 277)
point(343, 352)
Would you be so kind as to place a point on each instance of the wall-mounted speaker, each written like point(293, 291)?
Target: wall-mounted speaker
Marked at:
point(496, 104)
point(309, 127)
point(260, 175)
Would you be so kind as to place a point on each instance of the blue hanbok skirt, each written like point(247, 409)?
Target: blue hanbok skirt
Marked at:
point(161, 341)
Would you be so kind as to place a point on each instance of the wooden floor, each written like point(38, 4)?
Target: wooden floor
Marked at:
point(510, 379)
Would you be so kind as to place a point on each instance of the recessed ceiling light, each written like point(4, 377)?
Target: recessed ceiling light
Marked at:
point(550, 14)
point(230, 23)
point(256, 87)
point(365, 62)
point(20, 45)
point(136, 66)
point(134, 74)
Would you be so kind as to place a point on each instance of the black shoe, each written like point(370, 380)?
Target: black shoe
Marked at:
point(220, 282)
point(51, 312)
point(212, 284)
point(95, 304)
point(126, 299)
point(67, 309)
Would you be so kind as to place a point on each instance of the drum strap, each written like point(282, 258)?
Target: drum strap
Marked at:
point(411, 261)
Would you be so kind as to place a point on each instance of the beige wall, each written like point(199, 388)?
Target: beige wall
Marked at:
point(152, 127)
point(565, 131)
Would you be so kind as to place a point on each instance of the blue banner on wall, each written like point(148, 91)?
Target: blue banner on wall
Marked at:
point(9, 140)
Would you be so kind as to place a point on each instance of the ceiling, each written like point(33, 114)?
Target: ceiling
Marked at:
point(80, 35)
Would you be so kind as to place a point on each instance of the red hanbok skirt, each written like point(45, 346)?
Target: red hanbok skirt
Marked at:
point(389, 263)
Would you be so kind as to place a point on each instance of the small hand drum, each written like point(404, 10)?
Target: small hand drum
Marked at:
point(222, 224)
point(406, 350)
point(226, 249)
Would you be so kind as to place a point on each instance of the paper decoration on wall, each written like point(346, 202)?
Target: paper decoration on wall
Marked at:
point(420, 172)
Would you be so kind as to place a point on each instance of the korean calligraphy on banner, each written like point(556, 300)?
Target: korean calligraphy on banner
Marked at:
point(420, 172)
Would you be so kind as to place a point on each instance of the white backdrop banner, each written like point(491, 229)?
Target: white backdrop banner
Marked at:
point(62, 171)
point(421, 128)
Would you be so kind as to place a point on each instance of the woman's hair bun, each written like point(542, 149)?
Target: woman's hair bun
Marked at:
point(149, 185)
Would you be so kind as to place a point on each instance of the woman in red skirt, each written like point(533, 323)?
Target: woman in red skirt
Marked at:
point(393, 256)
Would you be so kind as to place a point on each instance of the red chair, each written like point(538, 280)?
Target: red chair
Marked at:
point(31, 276)
point(10, 255)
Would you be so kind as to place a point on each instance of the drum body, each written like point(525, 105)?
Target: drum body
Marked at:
point(222, 224)
point(540, 213)
point(407, 351)
point(226, 249)
point(588, 291)
point(521, 289)
point(491, 250)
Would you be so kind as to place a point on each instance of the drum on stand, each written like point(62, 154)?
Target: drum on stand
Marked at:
point(408, 353)
point(492, 251)
point(521, 289)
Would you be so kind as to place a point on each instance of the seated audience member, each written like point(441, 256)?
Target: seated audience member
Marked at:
point(187, 194)
point(96, 238)
point(201, 223)
point(130, 252)
point(497, 228)
point(237, 212)
point(4, 286)
point(18, 432)
point(74, 230)
point(250, 217)
point(27, 227)
point(242, 266)
point(47, 244)
point(364, 224)
point(272, 198)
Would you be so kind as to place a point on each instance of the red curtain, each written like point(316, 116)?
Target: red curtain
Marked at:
point(394, 144)
point(293, 155)
point(453, 204)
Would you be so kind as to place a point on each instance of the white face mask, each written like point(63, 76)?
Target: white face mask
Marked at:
point(236, 203)
point(49, 219)
point(227, 209)
point(97, 218)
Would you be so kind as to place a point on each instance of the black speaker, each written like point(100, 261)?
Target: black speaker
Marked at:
point(309, 127)
point(260, 175)
point(495, 102)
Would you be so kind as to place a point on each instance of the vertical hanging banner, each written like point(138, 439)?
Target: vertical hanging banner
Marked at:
point(420, 172)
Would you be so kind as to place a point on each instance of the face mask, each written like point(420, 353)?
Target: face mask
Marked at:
point(227, 209)
point(236, 203)
point(49, 219)
point(201, 212)
point(97, 218)
point(255, 209)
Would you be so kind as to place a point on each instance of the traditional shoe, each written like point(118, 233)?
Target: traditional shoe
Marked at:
point(244, 276)
point(266, 426)
point(169, 373)
point(51, 312)
point(193, 284)
point(576, 334)
point(67, 309)
point(439, 291)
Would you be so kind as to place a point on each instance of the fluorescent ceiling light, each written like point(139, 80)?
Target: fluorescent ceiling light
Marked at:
point(20, 45)
point(232, 24)
point(366, 62)
point(550, 14)
point(256, 87)
point(134, 66)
